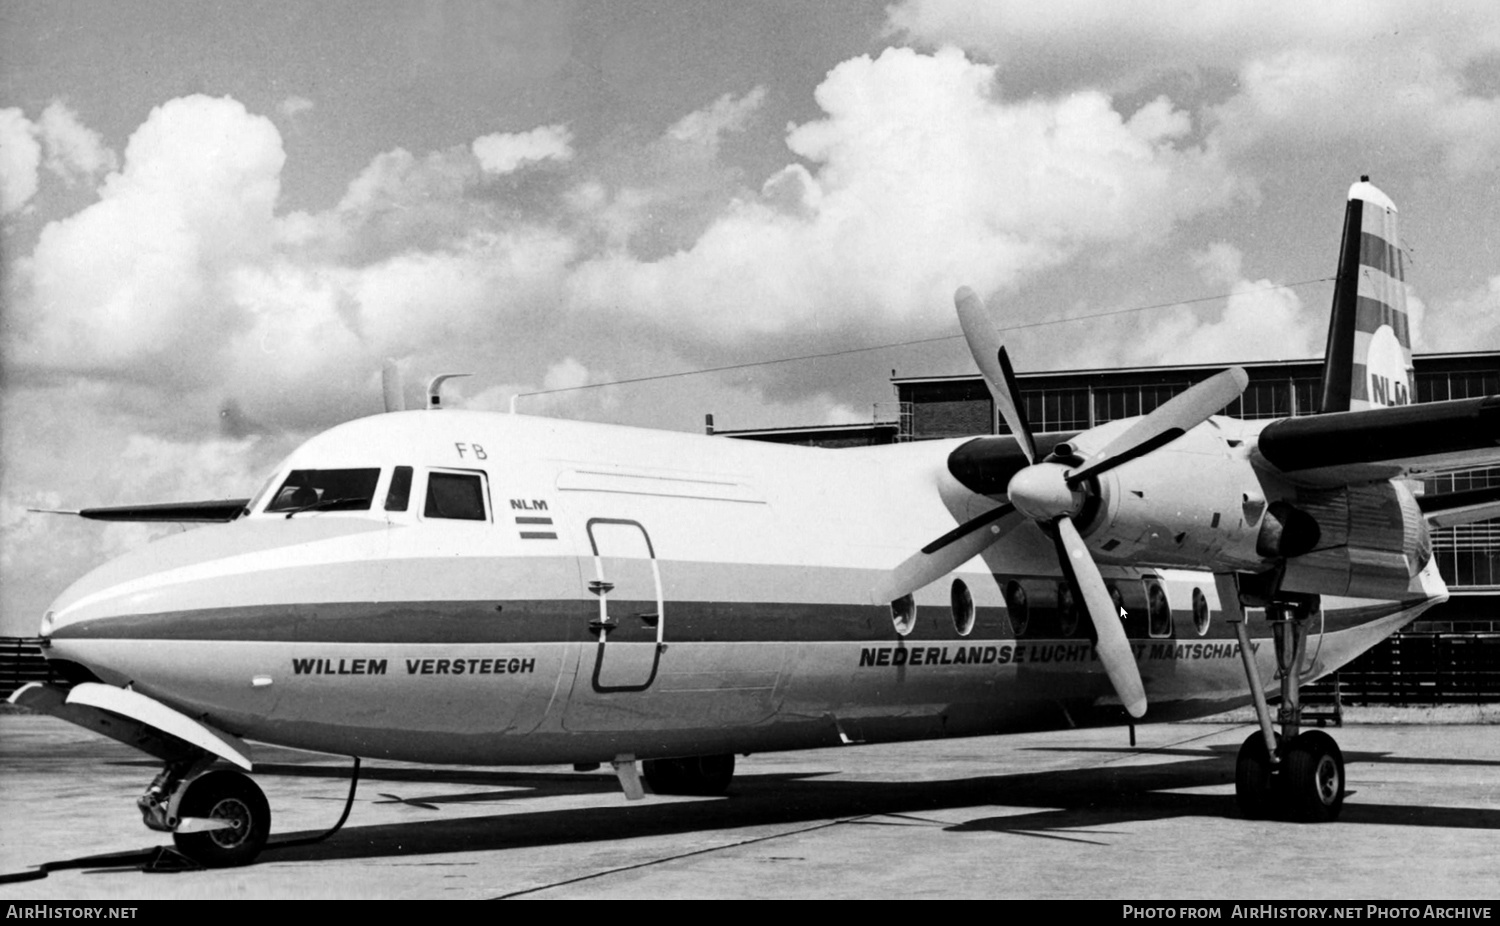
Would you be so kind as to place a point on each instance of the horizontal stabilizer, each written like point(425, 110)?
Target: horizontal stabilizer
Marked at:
point(216, 511)
point(1449, 508)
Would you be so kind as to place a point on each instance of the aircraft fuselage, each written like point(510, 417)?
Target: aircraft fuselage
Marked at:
point(533, 590)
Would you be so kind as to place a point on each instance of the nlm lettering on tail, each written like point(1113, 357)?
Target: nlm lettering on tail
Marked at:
point(1385, 392)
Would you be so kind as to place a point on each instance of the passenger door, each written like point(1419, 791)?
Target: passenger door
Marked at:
point(631, 623)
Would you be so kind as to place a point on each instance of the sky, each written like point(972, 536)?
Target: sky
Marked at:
point(217, 220)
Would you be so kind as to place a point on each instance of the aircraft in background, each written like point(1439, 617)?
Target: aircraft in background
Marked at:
point(488, 589)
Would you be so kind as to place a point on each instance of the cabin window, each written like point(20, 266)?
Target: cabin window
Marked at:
point(1158, 610)
point(458, 496)
point(1117, 598)
point(904, 614)
point(1200, 612)
point(1067, 610)
point(1018, 606)
point(397, 496)
point(326, 490)
point(963, 608)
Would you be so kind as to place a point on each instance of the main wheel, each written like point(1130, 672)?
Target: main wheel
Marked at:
point(703, 776)
point(1312, 782)
point(1253, 782)
point(225, 795)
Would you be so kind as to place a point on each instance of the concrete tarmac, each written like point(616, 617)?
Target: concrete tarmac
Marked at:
point(1072, 814)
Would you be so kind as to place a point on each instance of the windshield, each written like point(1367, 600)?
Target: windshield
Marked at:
point(325, 490)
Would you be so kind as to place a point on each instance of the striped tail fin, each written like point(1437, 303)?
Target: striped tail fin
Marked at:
point(1368, 360)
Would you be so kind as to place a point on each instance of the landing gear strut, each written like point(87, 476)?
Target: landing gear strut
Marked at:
point(1295, 775)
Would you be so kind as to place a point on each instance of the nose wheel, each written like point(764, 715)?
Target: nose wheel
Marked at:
point(238, 820)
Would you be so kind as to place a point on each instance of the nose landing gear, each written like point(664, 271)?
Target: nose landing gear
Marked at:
point(1295, 775)
point(216, 818)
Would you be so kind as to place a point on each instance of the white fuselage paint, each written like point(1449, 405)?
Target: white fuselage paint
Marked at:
point(742, 621)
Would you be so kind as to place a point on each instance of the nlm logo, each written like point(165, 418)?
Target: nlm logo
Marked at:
point(1384, 392)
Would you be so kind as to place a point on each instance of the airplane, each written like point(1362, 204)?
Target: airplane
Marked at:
point(448, 586)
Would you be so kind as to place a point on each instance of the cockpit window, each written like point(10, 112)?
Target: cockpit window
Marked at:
point(455, 495)
point(397, 495)
point(325, 490)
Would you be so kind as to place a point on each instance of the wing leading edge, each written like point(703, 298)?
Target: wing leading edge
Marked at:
point(216, 511)
point(1354, 447)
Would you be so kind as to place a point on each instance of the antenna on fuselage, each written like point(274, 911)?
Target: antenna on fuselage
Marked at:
point(435, 385)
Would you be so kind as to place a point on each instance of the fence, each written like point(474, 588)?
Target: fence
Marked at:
point(1421, 668)
point(21, 662)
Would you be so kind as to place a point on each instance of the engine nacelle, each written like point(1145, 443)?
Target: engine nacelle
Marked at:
point(1373, 542)
point(1195, 503)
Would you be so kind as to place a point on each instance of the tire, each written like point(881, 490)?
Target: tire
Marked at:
point(700, 776)
point(1254, 786)
point(225, 795)
point(1313, 780)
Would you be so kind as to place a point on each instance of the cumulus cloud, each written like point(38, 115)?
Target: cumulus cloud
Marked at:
point(20, 157)
point(657, 197)
point(75, 152)
point(137, 275)
point(294, 106)
point(1387, 75)
point(1468, 321)
point(503, 153)
point(726, 114)
point(1258, 321)
point(923, 179)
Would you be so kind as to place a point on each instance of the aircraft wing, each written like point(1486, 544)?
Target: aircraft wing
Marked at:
point(1364, 446)
point(216, 511)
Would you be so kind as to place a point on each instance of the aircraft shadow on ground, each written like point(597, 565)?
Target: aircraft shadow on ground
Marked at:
point(1077, 805)
point(1350, 757)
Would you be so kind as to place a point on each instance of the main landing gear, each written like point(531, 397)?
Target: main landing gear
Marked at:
point(1295, 775)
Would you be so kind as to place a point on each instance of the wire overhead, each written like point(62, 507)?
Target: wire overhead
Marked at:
point(911, 343)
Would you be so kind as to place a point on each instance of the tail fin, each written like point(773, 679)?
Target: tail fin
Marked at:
point(1368, 360)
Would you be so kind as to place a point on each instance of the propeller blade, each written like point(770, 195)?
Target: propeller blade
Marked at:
point(947, 553)
point(1113, 647)
point(990, 356)
point(390, 385)
point(1169, 421)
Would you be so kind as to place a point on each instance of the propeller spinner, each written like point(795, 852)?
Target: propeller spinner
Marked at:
point(1051, 493)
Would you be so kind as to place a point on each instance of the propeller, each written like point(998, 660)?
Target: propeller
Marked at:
point(1049, 492)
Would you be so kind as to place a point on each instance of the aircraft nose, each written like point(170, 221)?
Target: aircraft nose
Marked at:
point(196, 572)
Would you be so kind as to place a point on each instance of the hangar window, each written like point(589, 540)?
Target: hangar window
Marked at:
point(1200, 612)
point(963, 608)
point(1158, 610)
point(1018, 606)
point(457, 496)
point(325, 490)
point(399, 494)
point(904, 614)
